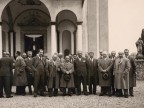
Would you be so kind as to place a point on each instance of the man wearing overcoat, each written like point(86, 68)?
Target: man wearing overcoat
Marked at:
point(105, 74)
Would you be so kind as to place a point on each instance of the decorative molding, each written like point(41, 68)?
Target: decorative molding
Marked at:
point(33, 22)
point(79, 23)
point(29, 2)
point(53, 23)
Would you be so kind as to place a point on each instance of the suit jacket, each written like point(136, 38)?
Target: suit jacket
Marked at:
point(35, 63)
point(81, 67)
point(6, 65)
point(28, 63)
point(92, 67)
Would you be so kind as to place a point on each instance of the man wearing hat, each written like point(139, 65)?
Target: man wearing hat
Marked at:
point(67, 80)
point(81, 69)
point(121, 73)
point(105, 74)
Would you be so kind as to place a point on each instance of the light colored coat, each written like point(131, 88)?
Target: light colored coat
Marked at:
point(52, 71)
point(20, 78)
point(105, 64)
point(121, 72)
point(67, 67)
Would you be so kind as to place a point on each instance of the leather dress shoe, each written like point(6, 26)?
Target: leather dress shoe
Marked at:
point(9, 96)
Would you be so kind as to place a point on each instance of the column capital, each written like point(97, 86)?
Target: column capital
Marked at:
point(53, 23)
point(79, 23)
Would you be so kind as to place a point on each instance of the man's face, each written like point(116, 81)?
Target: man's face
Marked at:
point(104, 55)
point(67, 58)
point(113, 54)
point(41, 53)
point(120, 55)
point(29, 54)
point(75, 56)
point(80, 55)
point(91, 55)
point(101, 53)
point(60, 56)
point(55, 58)
point(126, 52)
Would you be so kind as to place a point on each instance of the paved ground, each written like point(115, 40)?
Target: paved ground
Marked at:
point(91, 101)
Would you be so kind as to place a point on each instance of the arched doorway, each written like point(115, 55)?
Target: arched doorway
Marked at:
point(26, 24)
point(66, 27)
point(66, 42)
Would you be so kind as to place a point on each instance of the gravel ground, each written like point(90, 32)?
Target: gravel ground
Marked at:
point(91, 101)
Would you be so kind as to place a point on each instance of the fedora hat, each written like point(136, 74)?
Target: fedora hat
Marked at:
point(105, 76)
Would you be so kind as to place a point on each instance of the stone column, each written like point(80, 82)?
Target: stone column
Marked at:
point(61, 51)
point(53, 39)
point(72, 43)
point(12, 42)
point(79, 36)
point(0, 40)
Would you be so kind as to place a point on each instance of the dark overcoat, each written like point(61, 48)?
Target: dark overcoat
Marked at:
point(6, 66)
point(132, 72)
point(81, 67)
point(20, 78)
point(93, 70)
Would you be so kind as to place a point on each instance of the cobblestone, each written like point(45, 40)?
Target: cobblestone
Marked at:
point(91, 101)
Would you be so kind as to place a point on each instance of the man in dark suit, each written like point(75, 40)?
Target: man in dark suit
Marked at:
point(132, 72)
point(113, 58)
point(29, 71)
point(6, 64)
point(81, 68)
point(38, 65)
point(92, 73)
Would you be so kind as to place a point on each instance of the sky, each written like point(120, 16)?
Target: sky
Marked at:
point(126, 21)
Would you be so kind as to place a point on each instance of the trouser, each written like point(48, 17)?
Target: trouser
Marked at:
point(53, 90)
point(120, 92)
point(69, 91)
point(39, 83)
point(30, 82)
point(113, 90)
point(105, 90)
point(92, 85)
point(75, 83)
point(20, 90)
point(5, 83)
point(131, 90)
point(11, 81)
point(83, 80)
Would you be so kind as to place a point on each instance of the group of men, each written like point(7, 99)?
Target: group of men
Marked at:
point(116, 75)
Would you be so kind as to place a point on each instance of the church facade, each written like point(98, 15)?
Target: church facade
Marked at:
point(65, 26)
